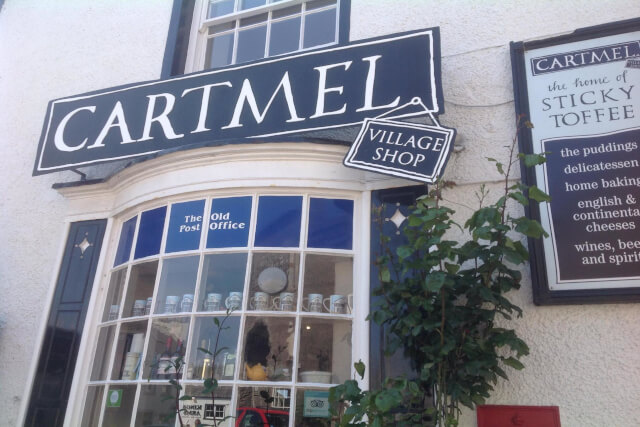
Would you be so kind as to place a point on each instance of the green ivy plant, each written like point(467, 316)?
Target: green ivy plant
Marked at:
point(445, 302)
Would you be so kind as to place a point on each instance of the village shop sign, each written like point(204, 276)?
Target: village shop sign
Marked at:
point(328, 88)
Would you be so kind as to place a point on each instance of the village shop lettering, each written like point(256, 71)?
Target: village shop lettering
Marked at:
point(335, 87)
point(395, 155)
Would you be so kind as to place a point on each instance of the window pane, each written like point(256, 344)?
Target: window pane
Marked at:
point(330, 224)
point(328, 278)
point(248, 4)
point(274, 282)
point(128, 358)
point(119, 406)
point(316, 4)
point(185, 226)
point(140, 290)
point(251, 44)
point(103, 353)
point(229, 222)
point(177, 285)
point(268, 349)
point(279, 219)
point(219, 51)
point(326, 357)
point(221, 275)
point(320, 28)
point(253, 411)
point(312, 408)
point(291, 10)
point(92, 406)
point(126, 240)
point(285, 36)
point(220, 8)
point(202, 408)
point(255, 19)
point(165, 345)
point(116, 284)
point(205, 336)
point(154, 406)
point(150, 232)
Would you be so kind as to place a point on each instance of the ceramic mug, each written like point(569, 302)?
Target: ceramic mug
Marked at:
point(187, 302)
point(260, 301)
point(233, 301)
point(113, 312)
point(138, 307)
point(213, 302)
point(171, 304)
point(314, 303)
point(337, 304)
point(286, 301)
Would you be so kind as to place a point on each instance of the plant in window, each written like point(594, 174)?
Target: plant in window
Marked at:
point(445, 302)
point(175, 367)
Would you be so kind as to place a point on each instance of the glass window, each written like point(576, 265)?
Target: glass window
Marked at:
point(220, 51)
point(330, 223)
point(150, 233)
point(92, 406)
point(119, 405)
point(222, 274)
point(285, 36)
point(229, 222)
point(126, 241)
point(140, 289)
point(279, 221)
point(251, 43)
point(270, 324)
point(320, 28)
point(185, 226)
point(177, 285)
point(237, 31)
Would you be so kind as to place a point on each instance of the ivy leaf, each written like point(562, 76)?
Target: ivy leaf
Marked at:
point(359, 366)
point(530, 228)
point(519, 197)
point(514, 363)
point(532, 159)
point(451, 268)
point(385, 275)
point(185, 397)
point(538, 195)
point(435, 280)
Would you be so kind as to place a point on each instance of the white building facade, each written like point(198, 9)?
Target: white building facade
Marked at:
point(269, 225)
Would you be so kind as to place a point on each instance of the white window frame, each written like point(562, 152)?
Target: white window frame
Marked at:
point(198, 37)
point(274, 168)
point(303, 251)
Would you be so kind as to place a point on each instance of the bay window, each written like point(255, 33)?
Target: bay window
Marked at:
point(280, 266)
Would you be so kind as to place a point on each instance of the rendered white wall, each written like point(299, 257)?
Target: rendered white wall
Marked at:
point(52, 49)
point(586, 359)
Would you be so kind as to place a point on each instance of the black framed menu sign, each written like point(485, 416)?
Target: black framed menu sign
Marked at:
point(581, 92)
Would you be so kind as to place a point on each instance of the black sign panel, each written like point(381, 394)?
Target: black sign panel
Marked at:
point(328, 88)
point(400, 149)
point(583, 98)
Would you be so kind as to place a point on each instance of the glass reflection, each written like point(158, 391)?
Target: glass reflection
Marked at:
point(268, 349)
point(263, 406)
point(205, 336)
point(325, 355)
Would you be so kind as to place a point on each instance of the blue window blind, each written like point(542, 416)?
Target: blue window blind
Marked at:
point(150, 232)
point(330, 224)
point(126, 241)
point(278, 223)
point(185, 226)
point(229, 222)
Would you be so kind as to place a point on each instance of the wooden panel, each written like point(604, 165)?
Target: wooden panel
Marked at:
point(61, 342)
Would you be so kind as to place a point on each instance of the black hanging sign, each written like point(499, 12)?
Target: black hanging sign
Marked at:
point(582, 95)
point(327, 88)
point(406, 150)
